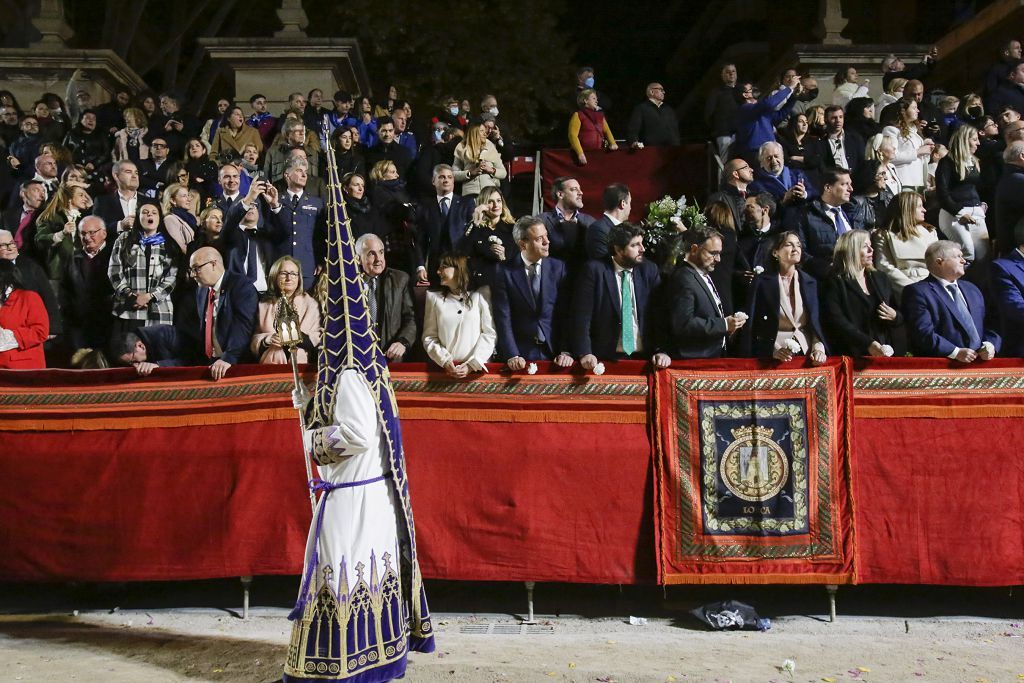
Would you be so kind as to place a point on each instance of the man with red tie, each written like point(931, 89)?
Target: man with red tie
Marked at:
point(226, 304)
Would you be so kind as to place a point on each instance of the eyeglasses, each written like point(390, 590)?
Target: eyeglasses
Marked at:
point(194, 270)
point(8, 245)
point(158, 145)
point(86, 233)
point(288, 275)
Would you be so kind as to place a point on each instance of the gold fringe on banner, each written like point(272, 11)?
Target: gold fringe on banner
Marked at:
point(888, 412)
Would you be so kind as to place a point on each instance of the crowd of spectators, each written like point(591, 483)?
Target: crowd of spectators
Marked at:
point(137, 234)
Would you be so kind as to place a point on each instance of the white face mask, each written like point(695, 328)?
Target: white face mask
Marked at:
point(493, 110)
point(454, 111)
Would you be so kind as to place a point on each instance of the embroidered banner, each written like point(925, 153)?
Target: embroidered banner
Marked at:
point(752, 482)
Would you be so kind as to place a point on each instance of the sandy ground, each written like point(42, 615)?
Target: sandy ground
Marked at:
point(204, 644)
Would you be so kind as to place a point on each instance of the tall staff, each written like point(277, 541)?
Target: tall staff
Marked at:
point(286, 323)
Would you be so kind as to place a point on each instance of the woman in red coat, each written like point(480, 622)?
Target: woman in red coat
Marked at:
point(24, 325)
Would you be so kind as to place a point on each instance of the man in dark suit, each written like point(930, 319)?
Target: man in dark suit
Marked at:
point(1007, 275)
point(388, 148)
point(444, 220)
point(20, 218)
point(173, 124)
point(1009, 198)
point(315, 186)
point(566, 223)
point(1010, 90)
point(652, 122)
point(617, 205)
point(154, 171)
point(230, 180)
point(945, 314)
point(531, 300)
point(248, 242)
point(85, 292)
point(219, 327)
point(839, 149)
point(820, 222)
point(389, 299)
point(614, 307)
point(148, 348)
point(117, 209)
point(699, 322)
point(736, 175)
point(299, 222)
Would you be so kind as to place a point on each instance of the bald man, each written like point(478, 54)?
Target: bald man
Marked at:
point(652, 123)
point(225, 313)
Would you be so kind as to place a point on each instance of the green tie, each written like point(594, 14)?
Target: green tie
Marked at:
point(628, 333)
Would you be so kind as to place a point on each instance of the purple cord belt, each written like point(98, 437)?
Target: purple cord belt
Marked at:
point(314, 560)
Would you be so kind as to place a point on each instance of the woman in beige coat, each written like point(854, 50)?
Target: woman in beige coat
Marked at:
point(477, 163)
point(901, 243)
point(286, 281)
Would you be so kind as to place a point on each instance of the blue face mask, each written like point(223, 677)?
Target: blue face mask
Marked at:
point(438, 135)
point(454, 111)
point(589, 82)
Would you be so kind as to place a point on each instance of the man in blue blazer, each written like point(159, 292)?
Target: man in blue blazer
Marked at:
point(230, 302)
point(600, 306)
point(248, 242)
point(299, 221)
point(1008, 292)
point(820, 222)
point(445, 217)
point(945, 314)
point(617, 205)
point(531, 300)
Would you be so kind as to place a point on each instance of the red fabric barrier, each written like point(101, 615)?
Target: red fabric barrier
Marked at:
point(938, 477)
point(650, 173)
point(515, 486)
point(531, 478)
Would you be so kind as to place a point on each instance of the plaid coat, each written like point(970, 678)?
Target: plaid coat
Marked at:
point(137, 274)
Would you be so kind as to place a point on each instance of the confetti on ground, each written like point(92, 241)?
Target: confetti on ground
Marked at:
point(863, 669)
point(572, 665)
point(829, 680)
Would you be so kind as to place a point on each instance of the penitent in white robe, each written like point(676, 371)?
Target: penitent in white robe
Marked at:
point(350, 622)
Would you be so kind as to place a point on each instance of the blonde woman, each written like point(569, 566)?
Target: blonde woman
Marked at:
point(57, 227)
point(883, 148)
point(286, 282)
point(181, 223)
point(901, 242)
point(488, 241)
point(477, 162)
point(957, 178)
point(458, 331)
point(588, 128)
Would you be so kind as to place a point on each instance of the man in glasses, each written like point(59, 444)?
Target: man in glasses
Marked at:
point(85, 292)
point(220, 325)
point(9, 129)
point(153, 172)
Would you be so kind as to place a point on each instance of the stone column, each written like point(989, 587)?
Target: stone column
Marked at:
point(832, 23)
point(293, 20)
point(51, 25)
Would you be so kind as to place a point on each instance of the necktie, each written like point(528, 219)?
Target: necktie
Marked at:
point(295, 202)
point(839, 218)
point(444, 207)
point(534, 283)
point(371, 295)
point(714, 290)
point(628, 330)
point(208, 325)
point(535, 290)
point(973, 339)
point(19, 237)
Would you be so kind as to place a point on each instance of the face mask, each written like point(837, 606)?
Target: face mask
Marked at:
point(808, 95)
point(589, 82)
point(493, 110)
point(454, 111)
point(974, 112)
point(438, 135)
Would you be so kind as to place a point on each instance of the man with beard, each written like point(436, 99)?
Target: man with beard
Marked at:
point(614, 306)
